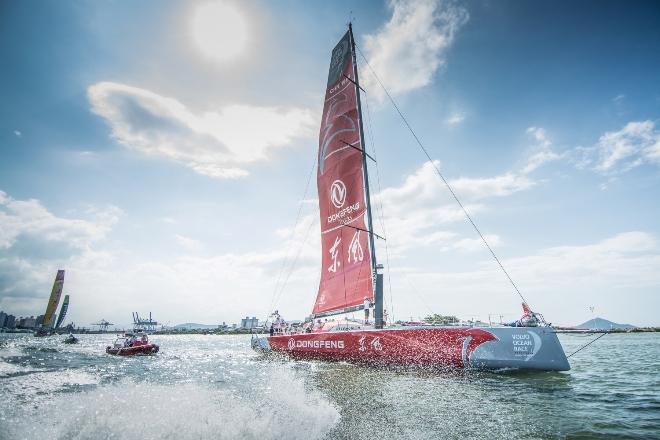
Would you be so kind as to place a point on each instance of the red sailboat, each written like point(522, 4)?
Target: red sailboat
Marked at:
point(351, 279)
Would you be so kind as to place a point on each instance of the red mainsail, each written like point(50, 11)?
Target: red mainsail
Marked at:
point(346, 277)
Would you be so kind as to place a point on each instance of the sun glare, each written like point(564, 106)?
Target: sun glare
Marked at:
point(219, 30)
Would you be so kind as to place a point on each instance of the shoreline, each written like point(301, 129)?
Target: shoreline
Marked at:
point(247, 331)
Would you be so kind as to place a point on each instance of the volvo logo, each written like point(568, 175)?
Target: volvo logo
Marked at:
point(338, 193)
point(291, 344)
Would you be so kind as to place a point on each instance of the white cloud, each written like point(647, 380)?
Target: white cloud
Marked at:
point(559, 282)
point(187, 243)
point(542, 150)
point(17, 133)
point(31, 218)
point(476, 244)
point(539, 158)
point(209, 289)
point(539, 134)
point(419, 211)
point(498, 186)
point(34, 243)
point(424, 185)
point(217, 143)
point(455, 118)
point(409, 49)
point(635, 144)
point(616, 152)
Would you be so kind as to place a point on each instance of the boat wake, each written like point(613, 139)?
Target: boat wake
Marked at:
point(129, 410)
point(34, 348)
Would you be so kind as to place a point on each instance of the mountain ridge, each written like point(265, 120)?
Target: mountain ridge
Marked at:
point(603, 324)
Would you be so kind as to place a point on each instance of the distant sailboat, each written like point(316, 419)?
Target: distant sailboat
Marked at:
point(47, 324)
point(63, 310)
point(351, 279)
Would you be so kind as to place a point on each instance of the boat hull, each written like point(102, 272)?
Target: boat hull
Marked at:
point(133, 351)
point(528, 348)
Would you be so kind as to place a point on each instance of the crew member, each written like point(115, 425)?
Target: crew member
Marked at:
point(367, 305)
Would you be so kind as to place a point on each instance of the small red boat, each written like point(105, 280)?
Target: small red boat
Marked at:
point(131, 345)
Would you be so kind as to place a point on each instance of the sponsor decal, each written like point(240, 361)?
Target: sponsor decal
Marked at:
point(355, 251)
point(344, 216)
point(471, 342)
point(304, 343)
point(526, 344)
point(339, 59)
point(334, 252)
point(374, 344)
point(338, 193)
point(465, 354)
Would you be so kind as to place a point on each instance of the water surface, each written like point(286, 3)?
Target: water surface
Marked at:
point(215, 387)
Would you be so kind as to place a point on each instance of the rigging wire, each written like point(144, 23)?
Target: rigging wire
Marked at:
point(275, 296)
point(587, 344)
point(419, 296)
point(295, 261)
point(426, 153)
point(379, 206)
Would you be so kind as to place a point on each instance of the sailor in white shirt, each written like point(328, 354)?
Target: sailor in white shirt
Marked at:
point(367, 305)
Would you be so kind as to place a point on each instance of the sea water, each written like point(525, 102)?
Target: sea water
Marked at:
point(215, 387)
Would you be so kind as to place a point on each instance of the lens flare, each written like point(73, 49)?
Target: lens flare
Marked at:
point(219, 31)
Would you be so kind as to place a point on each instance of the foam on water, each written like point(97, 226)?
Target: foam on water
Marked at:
point(130, 410)
point(9, 370)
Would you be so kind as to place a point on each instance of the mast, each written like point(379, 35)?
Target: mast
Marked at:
point(378, 296)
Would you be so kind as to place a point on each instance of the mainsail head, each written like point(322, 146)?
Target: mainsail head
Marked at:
point(346, 273)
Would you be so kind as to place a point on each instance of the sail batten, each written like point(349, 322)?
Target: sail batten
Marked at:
point(346, 271)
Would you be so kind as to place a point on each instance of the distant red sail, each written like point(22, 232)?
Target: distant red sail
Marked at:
point(346, 260)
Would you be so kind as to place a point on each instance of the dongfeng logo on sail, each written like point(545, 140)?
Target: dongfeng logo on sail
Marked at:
point(338, 193)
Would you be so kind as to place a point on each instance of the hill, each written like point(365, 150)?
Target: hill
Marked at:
point(194, 326)
point(603, 324)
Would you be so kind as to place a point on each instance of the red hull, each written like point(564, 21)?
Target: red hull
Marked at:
point(435, 347)
point(132, 351)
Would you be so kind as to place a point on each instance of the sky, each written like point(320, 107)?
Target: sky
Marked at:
point(161, 152)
